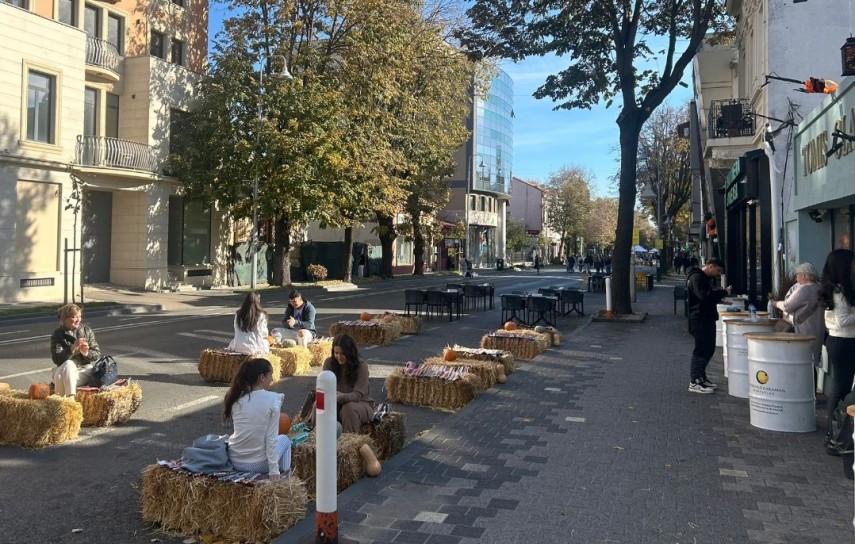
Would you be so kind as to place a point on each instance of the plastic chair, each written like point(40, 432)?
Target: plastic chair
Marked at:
point(474, 293)
point(513, 306)
point(574, 299)
point(541, 309)
point(414, 297)
point(439, 300)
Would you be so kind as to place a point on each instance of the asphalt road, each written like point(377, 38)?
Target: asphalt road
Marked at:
point(93, 484)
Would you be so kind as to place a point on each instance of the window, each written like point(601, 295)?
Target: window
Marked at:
point(176, 117)
point(116, 31)
point(403, 251)
point(92, 21)
point(842, 228)
point(67, 12)
point(90, 112)
point(189, 234)
point(472, 202)
point(23, 4)
point(178, 52)
point(155, 48)
point(41, 107)
point(111, 130)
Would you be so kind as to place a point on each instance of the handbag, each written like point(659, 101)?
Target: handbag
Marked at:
point(105, 371)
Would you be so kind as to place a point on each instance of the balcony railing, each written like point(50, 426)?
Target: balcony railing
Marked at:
point(115, 153)
point(102, 53)
point(730, 118)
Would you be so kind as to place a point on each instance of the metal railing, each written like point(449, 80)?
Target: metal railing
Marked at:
point(730, 118)
point(102, 53)
point(115, 153)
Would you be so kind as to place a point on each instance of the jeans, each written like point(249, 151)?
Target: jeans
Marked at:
point(704, 332)
point(842, 363)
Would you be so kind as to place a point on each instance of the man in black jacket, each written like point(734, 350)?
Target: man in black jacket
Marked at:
point(702, 298)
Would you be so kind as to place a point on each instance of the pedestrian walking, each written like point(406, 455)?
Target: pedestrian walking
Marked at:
point(703, 298)
point(537, 263)
point(571, 263)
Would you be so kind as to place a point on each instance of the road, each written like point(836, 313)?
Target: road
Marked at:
point(93, 483)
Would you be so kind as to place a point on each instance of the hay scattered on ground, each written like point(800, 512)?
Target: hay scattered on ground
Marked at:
point(217, 365)
point(482, 354)
point(486, 370)
point(321, 348)
point(523, 345)
point(433, 392)
point(195, 505)
point(38, 423)
point(389, 435)
point(105, 408)
point(367, 332)
point(350, 466)
point(295, 361)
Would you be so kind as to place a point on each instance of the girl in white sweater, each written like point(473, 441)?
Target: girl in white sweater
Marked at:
point(256, 445)
point(251, 327)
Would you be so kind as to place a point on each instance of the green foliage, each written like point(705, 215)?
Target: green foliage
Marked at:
point(516, 238)
point(568, 201)
point(318, 272)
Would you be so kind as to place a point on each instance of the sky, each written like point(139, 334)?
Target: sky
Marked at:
point(547, 140)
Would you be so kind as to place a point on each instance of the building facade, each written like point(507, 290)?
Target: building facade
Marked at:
point(89, 92)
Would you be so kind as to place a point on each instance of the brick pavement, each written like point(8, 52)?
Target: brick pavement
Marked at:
point(598, 441)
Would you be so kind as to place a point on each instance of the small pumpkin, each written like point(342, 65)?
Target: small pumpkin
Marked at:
point(540, 329)
point(501, 377)
point(288, 343)
point(39, 391)
point(284, 424)
point(449, 355)
point(4, 386)
point(387, 319)
point(365, 316)
point(270, 340)
point(510, 326)
point(372, 465)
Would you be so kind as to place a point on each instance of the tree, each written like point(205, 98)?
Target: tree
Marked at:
point(608, 43)
point(516, 237)
point(600, 227)
point(568, 202)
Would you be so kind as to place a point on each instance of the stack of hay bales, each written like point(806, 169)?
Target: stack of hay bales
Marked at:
point(102, 408)
point(524, 344)
point(219, 365)
point(410, 324)
point(485, 370)
point(38, 423)
point(295, 360)
point(321, 348)
point(350, 466)
point(389, 320)
point(433, 392)
point(195, 505)
point(367, 332)
point(505, 358)
point(389, 435)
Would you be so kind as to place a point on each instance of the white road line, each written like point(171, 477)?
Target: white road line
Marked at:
point(205, 336)
point(15, 332)
point(196, 402)
point(25, 373)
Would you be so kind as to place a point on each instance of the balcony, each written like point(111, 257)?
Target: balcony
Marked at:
point(730, 118)
point(103, 55)
point(498, 188)
point(102, 152)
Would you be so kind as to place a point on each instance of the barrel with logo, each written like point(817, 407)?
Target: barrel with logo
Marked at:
point(722, 318)
point(737, 351)
point(780, 377)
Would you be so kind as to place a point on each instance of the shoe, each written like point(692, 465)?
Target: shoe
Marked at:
point(707, 383)
point(697, 387)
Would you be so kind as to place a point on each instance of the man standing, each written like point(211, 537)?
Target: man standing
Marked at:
point(299, 321)
point(703, 298)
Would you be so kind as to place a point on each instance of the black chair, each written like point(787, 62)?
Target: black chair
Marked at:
point(513, 306)
point(541, 308)
point(490, 293)
point(681, 293)
point(458, 286)
point(415, 298)
point(439, 300)
point(474, 293)
point(573, 299)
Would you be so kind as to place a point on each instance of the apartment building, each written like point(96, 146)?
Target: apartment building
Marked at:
point(89, 90)
point(530, 206)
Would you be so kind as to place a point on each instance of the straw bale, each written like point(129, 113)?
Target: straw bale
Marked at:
point(506, 358)
point(409, 324)
point(367, 332)
point(389, 435)
point(434, 393)
point(219, 365)
point(38, 423)
point(321, 348)
point(105, 408)
point(394, 324)
point(523, 346)
point(295, 361)
point(350, 467)
point(195, 505)
point(486, 370)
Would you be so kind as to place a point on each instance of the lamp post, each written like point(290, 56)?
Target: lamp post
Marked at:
point(467, 209)
point(648, 194)
point(284, 74)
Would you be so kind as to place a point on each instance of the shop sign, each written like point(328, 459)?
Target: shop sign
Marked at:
point(734, 188)
point(814, 152)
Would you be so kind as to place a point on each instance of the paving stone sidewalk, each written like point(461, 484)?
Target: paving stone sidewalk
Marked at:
point(598, 441)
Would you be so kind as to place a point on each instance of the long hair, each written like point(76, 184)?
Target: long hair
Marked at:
point(246, 376)
point(837, 274)
point(250, 311)
point(351, 353)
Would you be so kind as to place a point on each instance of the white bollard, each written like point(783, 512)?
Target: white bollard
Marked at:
point(326, 507)
point(609, 312)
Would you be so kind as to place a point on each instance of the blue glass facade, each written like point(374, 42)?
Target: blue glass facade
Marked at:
point(494, 137)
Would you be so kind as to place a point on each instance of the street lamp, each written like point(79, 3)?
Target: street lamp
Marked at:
point(648, 194)
point(469, 189)
point(284, 74)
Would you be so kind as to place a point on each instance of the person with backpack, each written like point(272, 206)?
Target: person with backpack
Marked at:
point(702, 299)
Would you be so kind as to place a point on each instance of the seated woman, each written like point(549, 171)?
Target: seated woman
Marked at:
point(256, 445)
point(74, 350)
point(250, 327)
point(355, 406)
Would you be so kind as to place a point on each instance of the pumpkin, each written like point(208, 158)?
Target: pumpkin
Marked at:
point(540, 329)
point(449, 355)
point(4, 386)
point(39, 391)
point(288, 343)
point(510, 326)
point(372, 465)
point(501, 377)
point(365, 316)
point(270, 340)
point(387, 319)
point(284, 424)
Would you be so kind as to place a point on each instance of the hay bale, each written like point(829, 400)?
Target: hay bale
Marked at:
point(321, 348)
point(219, 365)
point(409, 324)
point(486, 370)
point(102, 408)
point(367, 332)
point(523, 346)
point(350, 466)
point(294, 361)
point(506, 358)
point(393, 323)
point(389, 435)
point(434, 393)
point(38, 423)
point(196, 505)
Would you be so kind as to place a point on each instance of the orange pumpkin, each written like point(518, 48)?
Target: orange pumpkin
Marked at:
point(450, 355)
point(365, 316)
point(39, 391)
point(284, 424)
point(270, 340)
point(510, 326)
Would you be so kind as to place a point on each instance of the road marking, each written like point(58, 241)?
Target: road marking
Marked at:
point(94, 433)
point(575, 419)
point(14, 332)
point(196, 402)
point(204, 336)
point(154, 442)
point(25, 373)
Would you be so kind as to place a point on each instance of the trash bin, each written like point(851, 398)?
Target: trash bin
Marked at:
point(500, 264)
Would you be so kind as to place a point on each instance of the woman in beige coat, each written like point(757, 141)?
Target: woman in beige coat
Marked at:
point(355, 406)
point(803, 306)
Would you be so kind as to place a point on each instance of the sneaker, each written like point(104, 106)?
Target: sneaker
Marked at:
point(707, 383)
point(697, 387)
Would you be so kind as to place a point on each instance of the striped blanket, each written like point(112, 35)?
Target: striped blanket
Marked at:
point(246, 478)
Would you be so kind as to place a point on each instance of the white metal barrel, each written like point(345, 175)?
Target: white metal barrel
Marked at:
point(737, 351)
point(722, 311)
point(780, 377)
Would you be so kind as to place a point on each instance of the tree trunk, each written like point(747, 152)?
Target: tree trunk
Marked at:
point(347, 257)
point(386, 233)
point(282, 251)
point(418, 245)
point(630, 127)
